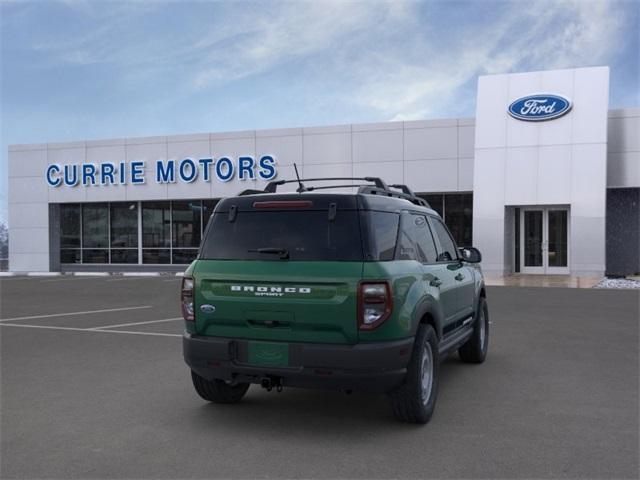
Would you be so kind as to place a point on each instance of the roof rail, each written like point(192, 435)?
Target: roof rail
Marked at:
point(377, 187)
point(273, 186)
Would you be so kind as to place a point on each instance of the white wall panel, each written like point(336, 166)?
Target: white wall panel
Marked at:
point(588, 180)
point(431, 143)
point(29, 240)
point(377, 146)
point(491, 122)
point(554, 175)
point(466, 141)
point(624, 134)
point(391, 172)
point(286, 149)
point(623, 169)
point(465, 174)
point(521, 172)
point(28, 262)
point(28, 215)
point(591, 105)
point(327, 148)
point(28, 163)
point(432, 175)
point(489, 170)
point(27, 190)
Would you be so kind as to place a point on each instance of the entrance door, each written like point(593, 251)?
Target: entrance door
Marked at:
point(544, 235)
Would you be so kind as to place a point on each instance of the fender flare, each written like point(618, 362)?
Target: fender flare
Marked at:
point(427, 307)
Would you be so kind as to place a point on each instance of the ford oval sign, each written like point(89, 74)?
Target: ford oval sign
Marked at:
point(536, 108)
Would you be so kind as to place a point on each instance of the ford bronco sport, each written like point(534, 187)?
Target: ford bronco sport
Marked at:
point(350, 291)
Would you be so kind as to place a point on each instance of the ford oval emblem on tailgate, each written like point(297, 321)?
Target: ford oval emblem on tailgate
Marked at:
point(206, 308)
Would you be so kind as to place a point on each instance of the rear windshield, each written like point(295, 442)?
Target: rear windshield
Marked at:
point(303, 235)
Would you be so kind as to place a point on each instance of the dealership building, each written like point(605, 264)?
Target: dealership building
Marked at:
point(544, 180)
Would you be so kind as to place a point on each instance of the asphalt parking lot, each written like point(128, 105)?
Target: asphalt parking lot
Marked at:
point(105, 394)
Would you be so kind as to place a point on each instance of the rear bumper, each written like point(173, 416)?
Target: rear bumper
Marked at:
point(375, 367)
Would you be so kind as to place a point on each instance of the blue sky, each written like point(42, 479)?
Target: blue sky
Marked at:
point(75, 70)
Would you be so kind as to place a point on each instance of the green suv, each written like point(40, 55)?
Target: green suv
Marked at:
point(350, 291)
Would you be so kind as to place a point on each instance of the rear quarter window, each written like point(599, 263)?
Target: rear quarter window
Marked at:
point(383, 234)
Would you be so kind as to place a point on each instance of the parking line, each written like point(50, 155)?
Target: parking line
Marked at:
point(136, 323)
point(31, 317)
point(92, 330)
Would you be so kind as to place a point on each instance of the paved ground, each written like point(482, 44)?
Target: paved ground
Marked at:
point(557, 397)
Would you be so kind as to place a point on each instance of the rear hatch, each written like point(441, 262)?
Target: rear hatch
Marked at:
point(282, 268)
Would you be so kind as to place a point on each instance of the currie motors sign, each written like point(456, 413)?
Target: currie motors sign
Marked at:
point(540, 107)
point(187, 170)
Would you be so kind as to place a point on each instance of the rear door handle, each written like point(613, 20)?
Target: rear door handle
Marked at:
point(459, 277)
point(435, 282)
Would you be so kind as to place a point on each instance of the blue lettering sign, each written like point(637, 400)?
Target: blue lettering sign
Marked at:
point(224, 164)
point(188, 175)
point(267, 168)
point(137, 173)
point(51, 180)
point(165, 174)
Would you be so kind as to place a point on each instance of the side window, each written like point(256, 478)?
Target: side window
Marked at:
point(447, 251)
point(384, 231)
point(407, 241)
point(416, 242)
point(426, 245)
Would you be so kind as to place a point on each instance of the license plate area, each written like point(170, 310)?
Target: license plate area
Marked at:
point(268, 354)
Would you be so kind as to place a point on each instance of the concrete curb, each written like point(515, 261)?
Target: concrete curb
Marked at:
point(90, 274)
point(140, 274)
point(44, 274)
point(7, 274)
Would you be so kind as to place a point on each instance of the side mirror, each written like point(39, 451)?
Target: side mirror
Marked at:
point(470, 254)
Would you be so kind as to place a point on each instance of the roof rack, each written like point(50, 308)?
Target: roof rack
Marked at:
point(376, 187)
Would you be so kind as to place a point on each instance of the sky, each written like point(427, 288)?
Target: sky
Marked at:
point(79, 70)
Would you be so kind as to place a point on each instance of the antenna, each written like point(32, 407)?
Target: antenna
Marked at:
point(301, 187)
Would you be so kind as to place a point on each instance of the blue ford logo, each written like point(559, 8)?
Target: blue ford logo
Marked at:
point(206, 308)
point(536, 108)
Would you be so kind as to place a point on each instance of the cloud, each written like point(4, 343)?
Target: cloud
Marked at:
point(526, 36)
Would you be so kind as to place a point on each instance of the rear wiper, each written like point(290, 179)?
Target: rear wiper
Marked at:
point(283, 252)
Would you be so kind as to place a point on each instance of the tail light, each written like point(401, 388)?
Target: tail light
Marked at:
point(374, 304)
point(186, 299)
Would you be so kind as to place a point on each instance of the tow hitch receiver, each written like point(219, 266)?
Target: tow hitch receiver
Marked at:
point(270, 383)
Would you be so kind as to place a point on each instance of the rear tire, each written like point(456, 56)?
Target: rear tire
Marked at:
point(475, 349)
point(218, 391)
point(415, 400)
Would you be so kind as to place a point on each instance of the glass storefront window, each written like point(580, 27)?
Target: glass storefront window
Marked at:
point(208, 206)
point(156, 255)
point(109, 233)
point(95, 225)
point(70, 226)
point(156, 224)
point(458, 215)
point(436, 201)
point(186, 224)
point(124, 225)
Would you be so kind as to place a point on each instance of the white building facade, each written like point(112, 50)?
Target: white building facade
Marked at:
point(544, 180)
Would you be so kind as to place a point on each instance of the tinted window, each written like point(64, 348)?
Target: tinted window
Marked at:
point(425, 239)
point(383, 235)
point(95, 228)
point(305, 235)
point(447, 246)
point(69, 226)
point(124, 225)
point(458, 216)
point(415, 242)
